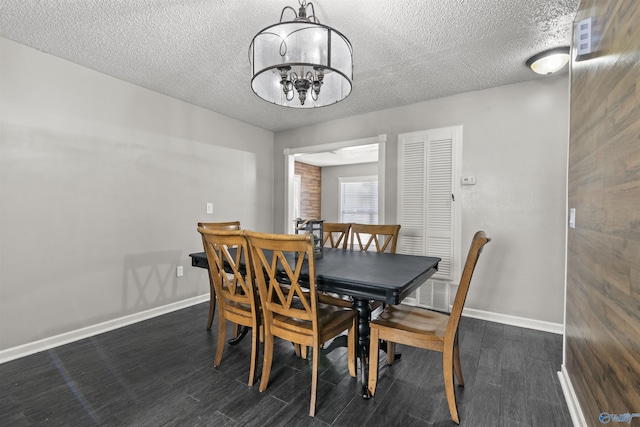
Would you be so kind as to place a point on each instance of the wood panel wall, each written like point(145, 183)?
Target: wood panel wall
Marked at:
point(310, 191)
point(602, 353)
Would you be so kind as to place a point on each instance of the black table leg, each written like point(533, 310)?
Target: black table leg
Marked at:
point(241, 333)
point(364, 315)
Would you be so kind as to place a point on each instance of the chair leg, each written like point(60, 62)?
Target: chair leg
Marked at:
point(391, 352)
point(236, 330)
point(255, 344)
point(222, 334)
point(212, 305)
point(314, 379)
point(374, 349)
point(456, 363)
point(266, 363)
point(447, 372)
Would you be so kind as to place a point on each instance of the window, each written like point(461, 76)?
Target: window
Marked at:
point(359, 199)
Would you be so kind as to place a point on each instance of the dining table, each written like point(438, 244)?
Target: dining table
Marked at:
point(366, 277)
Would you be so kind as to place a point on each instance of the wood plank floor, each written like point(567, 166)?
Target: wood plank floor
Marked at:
point(159, 373)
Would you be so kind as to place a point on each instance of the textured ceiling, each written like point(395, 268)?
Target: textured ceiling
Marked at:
point(405, 51)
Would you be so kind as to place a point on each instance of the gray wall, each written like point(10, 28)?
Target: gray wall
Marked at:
point(515, 143)
point(331, 187)
point(101, 186)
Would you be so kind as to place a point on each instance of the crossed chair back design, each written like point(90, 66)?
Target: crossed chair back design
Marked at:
point(384, 237)
point(236, 292)
point(290, 307)
point(422, 328)
point(230, 225)
point(336, 234)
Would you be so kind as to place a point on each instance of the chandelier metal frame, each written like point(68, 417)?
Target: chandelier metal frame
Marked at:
point(312, 60)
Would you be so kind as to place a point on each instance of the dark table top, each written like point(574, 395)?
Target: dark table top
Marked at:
point(365, 275)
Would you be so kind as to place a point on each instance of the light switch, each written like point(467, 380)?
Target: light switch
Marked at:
point(584, 38)
point(209, 208)
point(179, 271)
point(572, 218)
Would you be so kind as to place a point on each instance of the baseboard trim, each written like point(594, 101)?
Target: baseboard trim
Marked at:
point(89, 331)
point(572, 400)
point(523, 322)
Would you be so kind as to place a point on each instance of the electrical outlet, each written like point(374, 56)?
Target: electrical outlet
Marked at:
point(179, 271)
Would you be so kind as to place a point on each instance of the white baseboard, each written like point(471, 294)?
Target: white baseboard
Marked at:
point(572, 400)
point(89, 331)
point(523, 322)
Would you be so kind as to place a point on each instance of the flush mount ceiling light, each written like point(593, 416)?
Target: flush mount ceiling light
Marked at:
point(549, 61)
point(301, 63)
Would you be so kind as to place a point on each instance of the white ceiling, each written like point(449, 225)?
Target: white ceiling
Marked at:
point(405, 51)
point(342, 156)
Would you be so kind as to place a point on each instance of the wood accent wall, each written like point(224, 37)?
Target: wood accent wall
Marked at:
point(310, 191)
point(602, 352)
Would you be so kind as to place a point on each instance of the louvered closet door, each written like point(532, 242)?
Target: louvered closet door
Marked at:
point(427, 174)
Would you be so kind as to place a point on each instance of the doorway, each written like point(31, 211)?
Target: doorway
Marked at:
point(343, 149)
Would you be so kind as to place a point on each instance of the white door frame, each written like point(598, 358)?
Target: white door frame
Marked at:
point(289, 166)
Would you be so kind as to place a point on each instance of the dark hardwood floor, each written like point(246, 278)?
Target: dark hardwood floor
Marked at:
point(159, 373)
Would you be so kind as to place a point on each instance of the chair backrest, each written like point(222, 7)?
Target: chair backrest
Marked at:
point(479, 240)
point(230, 225)
point(384, 236)
point(283, 294)
point(336, 234)
point(234, 285)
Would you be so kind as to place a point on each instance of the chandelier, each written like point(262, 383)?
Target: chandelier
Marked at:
point(301, 63)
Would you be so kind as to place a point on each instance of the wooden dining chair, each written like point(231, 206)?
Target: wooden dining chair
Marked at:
point(383, 236)
point(336, 235)
point(423, 328)
point(290, 306)
point(230, 225)
point(235, 291)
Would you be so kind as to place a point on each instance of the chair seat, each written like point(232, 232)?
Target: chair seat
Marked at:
point(330, 319)
point(412, 321)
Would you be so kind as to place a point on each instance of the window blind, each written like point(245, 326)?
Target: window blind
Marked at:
point(359, 200)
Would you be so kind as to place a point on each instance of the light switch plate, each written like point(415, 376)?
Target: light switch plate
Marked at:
point(572, 218)
point(583, 31)
point(209, 208)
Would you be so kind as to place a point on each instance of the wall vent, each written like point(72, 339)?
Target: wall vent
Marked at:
point(434, 294)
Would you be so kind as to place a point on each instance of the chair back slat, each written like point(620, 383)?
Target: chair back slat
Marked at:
point(384, 237)
point(336, 235)
point(229, 225)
